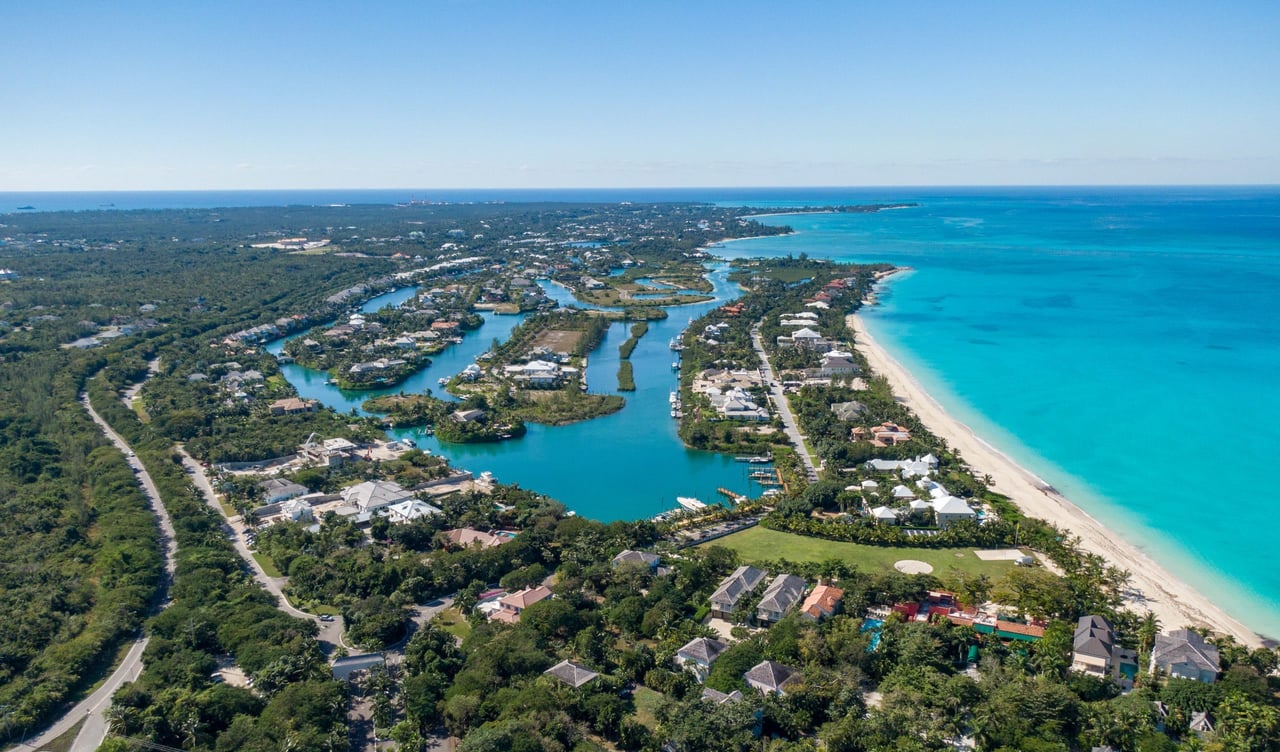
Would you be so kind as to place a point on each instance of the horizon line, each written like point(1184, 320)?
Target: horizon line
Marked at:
point(893, 186)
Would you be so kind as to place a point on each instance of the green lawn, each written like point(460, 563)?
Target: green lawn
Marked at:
point(759, 544)
point(452, 621)
point(268, 566)
point(647, 702)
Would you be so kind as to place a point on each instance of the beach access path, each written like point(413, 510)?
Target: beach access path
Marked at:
point(779, 399)
point(1151, 587)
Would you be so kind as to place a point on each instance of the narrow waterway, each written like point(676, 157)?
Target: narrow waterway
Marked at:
point(627, 465)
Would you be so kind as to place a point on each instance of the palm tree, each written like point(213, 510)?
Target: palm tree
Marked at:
point(1148, 628)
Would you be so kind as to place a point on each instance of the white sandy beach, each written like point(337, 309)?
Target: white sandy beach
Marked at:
point(1152, 588)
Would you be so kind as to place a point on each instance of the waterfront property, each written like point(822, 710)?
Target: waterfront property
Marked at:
point(1095, 652)
point(1184, 654)
point(375, 494)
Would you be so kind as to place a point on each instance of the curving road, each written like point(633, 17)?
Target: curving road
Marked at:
point(779, 399)
point(330, 635)
point(92, 709)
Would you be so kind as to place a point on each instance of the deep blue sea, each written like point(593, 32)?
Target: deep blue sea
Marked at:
point(1121, 343)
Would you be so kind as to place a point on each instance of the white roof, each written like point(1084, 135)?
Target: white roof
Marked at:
point(902, 492)
point(374, 494)
point(806, 333)
point(412, 510)
point(884, 513)
point(951, 505)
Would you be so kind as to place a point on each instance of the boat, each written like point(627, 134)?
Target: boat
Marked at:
point(674, 398)
point(442, 380)
point(675, 365)
point(690, 503)
point(410, 443)
point(761, 460)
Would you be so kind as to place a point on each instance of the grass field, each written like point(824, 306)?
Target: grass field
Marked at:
point(759, 544)
point(268, 566)
point(647, 702)
point(452, 621)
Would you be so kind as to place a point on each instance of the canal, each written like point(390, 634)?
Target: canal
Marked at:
point(628, 465)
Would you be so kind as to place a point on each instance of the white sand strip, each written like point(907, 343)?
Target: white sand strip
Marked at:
point(1152, 588)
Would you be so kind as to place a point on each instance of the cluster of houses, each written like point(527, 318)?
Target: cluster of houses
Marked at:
point(727, 391)
point(783, 593)
point(1180, 654)
point(940, 508)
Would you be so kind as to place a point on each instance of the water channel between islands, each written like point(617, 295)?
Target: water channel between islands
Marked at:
point(628, 465)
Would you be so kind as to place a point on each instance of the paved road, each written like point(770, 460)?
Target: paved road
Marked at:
point(783, 407)
point(330, 631)
point(93, 708)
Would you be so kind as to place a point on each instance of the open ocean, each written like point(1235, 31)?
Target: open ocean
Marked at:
point(1121, 343)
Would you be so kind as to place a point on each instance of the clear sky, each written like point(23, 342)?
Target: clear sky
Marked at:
point(537, 93)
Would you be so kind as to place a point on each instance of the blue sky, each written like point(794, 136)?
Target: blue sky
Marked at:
point(459, 93)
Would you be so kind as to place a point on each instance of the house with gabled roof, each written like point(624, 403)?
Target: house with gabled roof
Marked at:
point(769, 677)
point(781, 594)
point(1095, 652)
point(1184, 654)
point(742, 581)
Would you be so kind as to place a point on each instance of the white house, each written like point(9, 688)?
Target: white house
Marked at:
point(410, 510)
point(838, 363)
point(884, 516)
point(375, 494)
point(697, 655)
point(951, 509)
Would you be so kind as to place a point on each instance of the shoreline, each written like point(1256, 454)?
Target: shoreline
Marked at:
point(1151, 586)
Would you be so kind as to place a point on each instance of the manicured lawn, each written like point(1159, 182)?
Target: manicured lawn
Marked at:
point(647, 702)
point(452, 621)
point(268, 566)
point(759, 544)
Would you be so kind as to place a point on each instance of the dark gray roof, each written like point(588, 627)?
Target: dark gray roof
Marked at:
point(769, 676)
point(1093, 637)
point(571, 673)
point(743, 580)
point(637, 557)
point(782, 593)
point(1184, 646)
point(702, 649)
point(719, 697)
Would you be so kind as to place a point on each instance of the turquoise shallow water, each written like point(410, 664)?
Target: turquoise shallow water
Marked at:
point(1123, 344)
point(623, 466)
